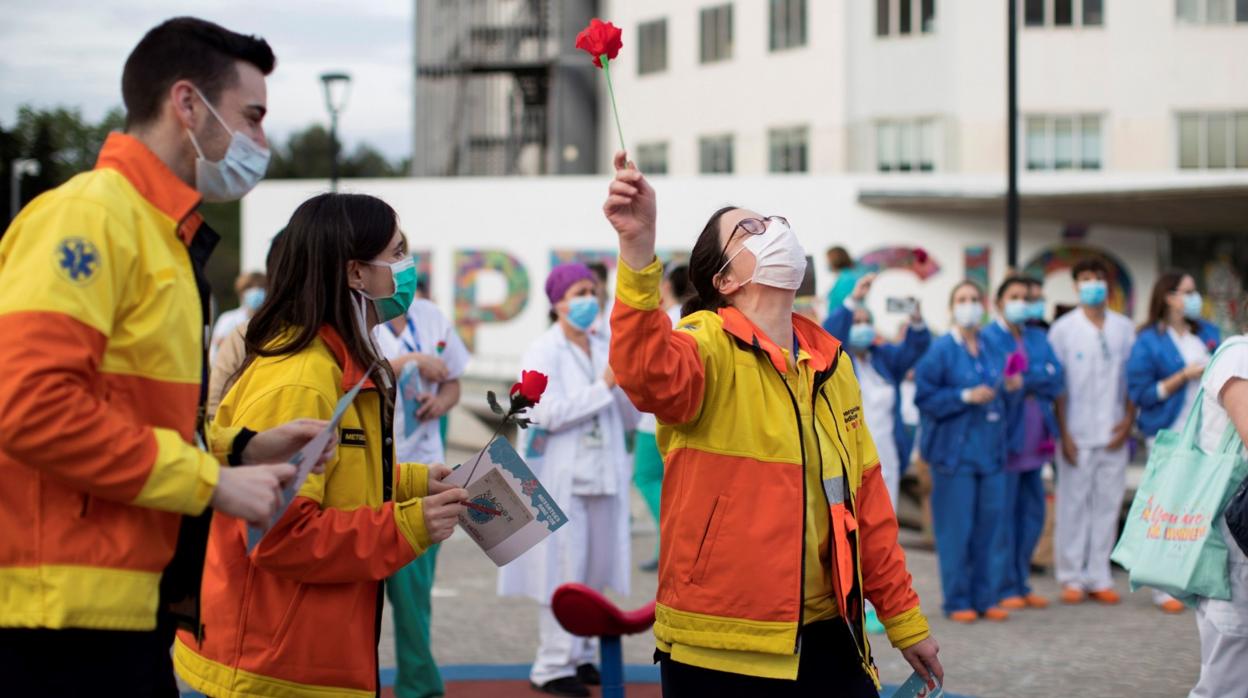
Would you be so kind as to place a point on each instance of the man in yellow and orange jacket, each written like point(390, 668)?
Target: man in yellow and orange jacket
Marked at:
point(103, 312)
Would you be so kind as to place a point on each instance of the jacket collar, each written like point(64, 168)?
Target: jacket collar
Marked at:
point(352, 372)
point(153, 180)
point(813, 342)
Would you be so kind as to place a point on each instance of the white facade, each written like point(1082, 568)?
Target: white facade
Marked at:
point(453, 222)
point(1133, 74)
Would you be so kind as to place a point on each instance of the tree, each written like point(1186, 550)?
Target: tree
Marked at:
point(307, 152)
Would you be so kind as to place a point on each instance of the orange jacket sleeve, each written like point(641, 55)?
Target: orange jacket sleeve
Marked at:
point(660, 370)
point(56, 415)
point(885, 579)
point(331, 546)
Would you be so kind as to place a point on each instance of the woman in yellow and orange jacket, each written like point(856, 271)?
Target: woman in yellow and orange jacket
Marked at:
point(300, 614)
point(776, 521)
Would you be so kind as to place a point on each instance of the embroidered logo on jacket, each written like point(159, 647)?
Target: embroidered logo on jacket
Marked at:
point(78, 260)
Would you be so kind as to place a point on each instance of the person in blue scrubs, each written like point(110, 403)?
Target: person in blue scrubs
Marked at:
point(1163, 373)
point(963, 397)
point(1030, 432)
point(880, 368)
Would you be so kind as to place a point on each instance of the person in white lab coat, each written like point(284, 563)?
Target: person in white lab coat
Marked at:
point(425, 338)
point(582, 460)
point(1094, 419)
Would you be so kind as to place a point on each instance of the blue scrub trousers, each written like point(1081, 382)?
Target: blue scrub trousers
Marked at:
point(1021, 527)
point(967, 507)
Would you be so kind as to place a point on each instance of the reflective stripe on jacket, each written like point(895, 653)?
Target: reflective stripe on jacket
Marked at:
point(102, 357)
point(301, 614)
point(730, 567)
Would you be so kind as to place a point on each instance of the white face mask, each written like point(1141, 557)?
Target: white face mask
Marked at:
point(780, 261)
point(235, 174)
point(968, 314)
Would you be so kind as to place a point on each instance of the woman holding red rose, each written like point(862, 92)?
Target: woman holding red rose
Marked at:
point(776, 523)
point(577, 449)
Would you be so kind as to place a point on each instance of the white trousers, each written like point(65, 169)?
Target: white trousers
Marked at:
point(1089, 500)
point(587, 559)
point(1223, 627)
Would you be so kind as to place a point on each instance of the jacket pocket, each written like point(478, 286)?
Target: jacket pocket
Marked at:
point(707, 546)
point(292, 612)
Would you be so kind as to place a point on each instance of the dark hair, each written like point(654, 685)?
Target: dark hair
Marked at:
point(308, 278)
point(1094, 264)
point(705, 261)
point(839, 258)
point(249, 280)
point(600, 271)
point(186, 48)
point(678, 277)
point(963, 283)
point(1166, 284)
point(1012, 280)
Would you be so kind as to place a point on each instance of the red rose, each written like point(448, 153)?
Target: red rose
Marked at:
point(920, 255)
point(598, 39)
point(531, 386)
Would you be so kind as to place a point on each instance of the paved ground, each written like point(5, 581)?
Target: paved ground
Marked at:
point(1085, 650)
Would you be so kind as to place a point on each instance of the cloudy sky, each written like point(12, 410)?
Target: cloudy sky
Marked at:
point(70, 53)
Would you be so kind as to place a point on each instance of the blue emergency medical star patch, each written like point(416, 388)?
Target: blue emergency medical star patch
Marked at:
point(78, 260)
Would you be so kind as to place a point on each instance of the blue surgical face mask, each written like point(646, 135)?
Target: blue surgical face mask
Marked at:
point(253, 298)
point(1193, 305)
point(1093, 292)
point(1035, 310)
point(1015, 312)
point(968, 314)
point(582, 311)
point(861, 336)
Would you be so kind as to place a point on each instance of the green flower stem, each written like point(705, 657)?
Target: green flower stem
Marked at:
point(606, 69)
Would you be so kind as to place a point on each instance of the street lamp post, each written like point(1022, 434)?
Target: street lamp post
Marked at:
point(17, 169)
point(337, 88)
point(1011, 128)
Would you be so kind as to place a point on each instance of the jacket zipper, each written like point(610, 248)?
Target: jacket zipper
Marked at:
point(801, 440)
point(387, 479)
point(853, 549)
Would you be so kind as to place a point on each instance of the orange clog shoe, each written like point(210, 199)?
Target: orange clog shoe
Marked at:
point(1072, 595)
point(996, 614)
point(1013, 603)
point(966, 617)
point(1109, 597)
point(1172, 606)
point(1036, 601)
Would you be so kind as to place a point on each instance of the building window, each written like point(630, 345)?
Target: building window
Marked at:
point(1063, 142)
point(652, 47)
point(716, 33)
point(787, 149)
point(906, 145)
point(652, 158)
point(715, 154)
point(788, 24)
point(904, 11)
point(1211, 11)
point(1213, 140)
point(1063, 13)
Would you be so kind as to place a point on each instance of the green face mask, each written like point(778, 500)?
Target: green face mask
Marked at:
point(397, 303)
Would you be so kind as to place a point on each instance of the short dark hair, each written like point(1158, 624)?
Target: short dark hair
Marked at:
point(1011, 280)
point(600, 271)
point(186, 48)
point(1093, 264)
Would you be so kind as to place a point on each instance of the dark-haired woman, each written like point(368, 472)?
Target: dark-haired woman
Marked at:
point(299, 614)
point(1163, 373)
point(776, 522)
point(959, 389)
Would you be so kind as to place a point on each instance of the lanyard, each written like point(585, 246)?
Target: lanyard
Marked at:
point(410, 340)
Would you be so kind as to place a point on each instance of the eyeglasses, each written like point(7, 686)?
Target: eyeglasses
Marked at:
point(750, 226)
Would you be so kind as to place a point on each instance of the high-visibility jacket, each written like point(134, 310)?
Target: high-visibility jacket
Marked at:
point(732, 553)
point(101, 349)
point(301, 614)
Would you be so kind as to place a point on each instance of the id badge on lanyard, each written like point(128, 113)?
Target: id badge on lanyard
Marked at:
point(592, 439)
point(986, 378)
